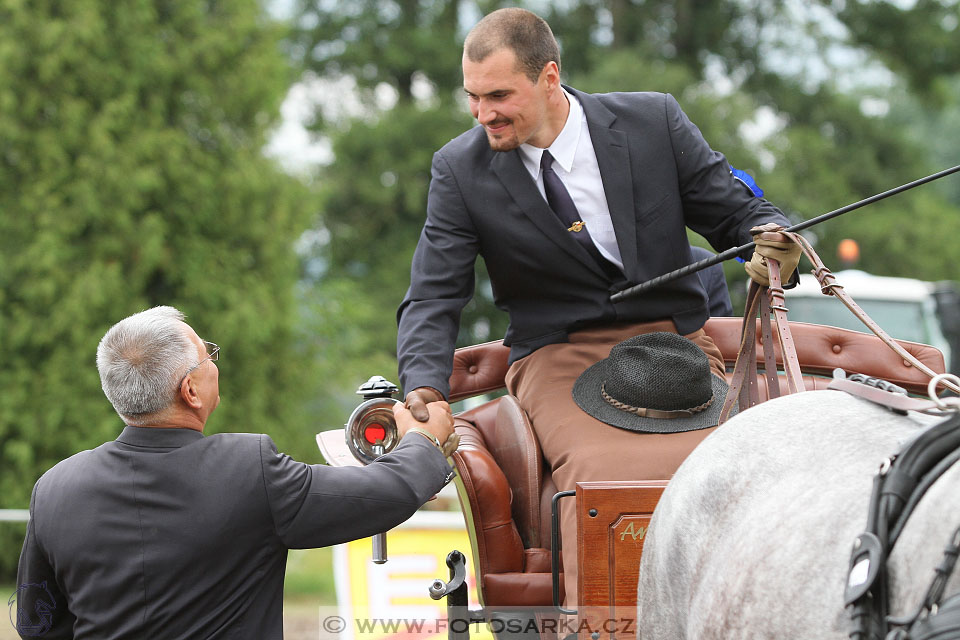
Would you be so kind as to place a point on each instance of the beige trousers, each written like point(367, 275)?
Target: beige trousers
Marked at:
point(580, 448)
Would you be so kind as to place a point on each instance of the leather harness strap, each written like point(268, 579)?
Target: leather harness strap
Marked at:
point(769, 357)
point(771, 301)
point(743, 385)
point(896, 401)
point(746, 364)
point(829, 286)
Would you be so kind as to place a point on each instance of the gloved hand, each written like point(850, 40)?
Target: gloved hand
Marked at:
point(771, 244)
point(418, 399)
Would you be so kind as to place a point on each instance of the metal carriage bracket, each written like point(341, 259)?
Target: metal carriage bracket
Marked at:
point(459, 615)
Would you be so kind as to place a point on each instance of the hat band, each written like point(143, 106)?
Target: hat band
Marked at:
point(643, 412)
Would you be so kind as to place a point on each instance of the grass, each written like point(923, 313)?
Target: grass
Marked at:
point(310, 575)
point(7, 632)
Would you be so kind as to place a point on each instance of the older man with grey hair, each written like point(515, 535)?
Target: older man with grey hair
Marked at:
point(166, 533)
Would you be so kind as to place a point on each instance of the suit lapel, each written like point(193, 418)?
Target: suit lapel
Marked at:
point(515, 178)
point(613, 158)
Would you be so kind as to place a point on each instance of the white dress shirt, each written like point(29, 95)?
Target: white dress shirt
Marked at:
point(575, 162)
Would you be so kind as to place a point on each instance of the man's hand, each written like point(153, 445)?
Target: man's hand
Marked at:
point(771, 244)
point(439, 424)
point(418, 399)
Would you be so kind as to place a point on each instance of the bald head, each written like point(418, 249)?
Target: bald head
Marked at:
point(525, 33)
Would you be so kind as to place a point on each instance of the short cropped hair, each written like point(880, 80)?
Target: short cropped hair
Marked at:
point(142, 360)
point(525, 33)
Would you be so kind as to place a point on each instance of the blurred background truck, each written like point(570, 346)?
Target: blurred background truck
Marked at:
point(907, 309)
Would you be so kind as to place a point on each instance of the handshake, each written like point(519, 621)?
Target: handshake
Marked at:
point(427, 414)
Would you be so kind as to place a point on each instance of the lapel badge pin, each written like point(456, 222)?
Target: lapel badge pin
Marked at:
point(577, 226)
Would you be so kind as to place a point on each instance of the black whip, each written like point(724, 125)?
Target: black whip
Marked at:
point(732, 253)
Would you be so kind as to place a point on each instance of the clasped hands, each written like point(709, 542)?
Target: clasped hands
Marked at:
point(426, 410)
point(772, 244)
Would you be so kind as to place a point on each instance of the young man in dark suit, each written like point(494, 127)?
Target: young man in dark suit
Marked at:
point(165, 533)
point(569, 197)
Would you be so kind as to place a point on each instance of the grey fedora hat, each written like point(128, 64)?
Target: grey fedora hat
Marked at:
point(655, 382)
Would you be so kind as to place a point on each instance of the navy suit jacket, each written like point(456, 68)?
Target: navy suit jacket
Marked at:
point(164, 533)
point(659, 176)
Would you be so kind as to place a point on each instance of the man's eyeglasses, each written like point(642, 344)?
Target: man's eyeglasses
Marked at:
point(213, 353)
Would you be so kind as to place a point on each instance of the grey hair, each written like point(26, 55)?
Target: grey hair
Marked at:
point(142, 359)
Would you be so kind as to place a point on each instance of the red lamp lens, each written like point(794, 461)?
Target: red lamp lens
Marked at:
point(374, 432)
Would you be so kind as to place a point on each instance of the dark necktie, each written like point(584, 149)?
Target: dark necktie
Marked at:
point(563, 206)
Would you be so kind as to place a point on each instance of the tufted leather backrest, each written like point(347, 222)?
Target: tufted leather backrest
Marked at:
point(481, 368)
point(821, 349)
point(478, 369)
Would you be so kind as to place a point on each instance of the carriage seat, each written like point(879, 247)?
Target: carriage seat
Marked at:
point(505, 487)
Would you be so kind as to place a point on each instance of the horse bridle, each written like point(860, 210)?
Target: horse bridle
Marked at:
point(897, 488)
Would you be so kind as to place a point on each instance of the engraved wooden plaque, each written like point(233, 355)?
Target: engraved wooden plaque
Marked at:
point(612, 523)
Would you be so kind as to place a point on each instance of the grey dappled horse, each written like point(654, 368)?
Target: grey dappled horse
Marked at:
point(752, 536)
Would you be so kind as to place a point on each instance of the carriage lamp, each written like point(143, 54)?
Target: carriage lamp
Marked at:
point(370, 432)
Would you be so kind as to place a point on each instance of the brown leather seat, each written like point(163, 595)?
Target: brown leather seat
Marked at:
point(505, 487)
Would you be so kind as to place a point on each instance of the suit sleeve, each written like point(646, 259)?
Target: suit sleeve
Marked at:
point(317, 505)
point(715, 205)
point(41, 607)
point(441, 284)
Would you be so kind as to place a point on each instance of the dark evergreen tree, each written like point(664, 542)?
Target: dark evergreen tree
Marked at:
point(131, 175)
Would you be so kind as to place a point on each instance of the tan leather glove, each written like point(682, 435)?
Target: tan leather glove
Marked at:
point(418, 399)
point(771, 244)
point(451, 444)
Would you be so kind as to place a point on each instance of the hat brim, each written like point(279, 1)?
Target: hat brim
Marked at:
point(586, 393)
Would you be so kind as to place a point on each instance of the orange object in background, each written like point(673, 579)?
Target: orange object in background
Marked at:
point(848, 251)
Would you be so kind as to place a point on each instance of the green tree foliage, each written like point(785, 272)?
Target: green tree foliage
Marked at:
point(918, 40)
point(375, 192)
point(131, 175)
point(373, 211)
point(679, 32)
point(381, 42)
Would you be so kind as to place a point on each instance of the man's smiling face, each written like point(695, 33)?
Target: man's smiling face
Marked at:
point(512, 109)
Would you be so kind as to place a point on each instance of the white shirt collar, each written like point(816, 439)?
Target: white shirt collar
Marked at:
point(564, 147)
